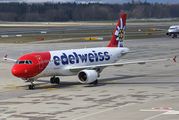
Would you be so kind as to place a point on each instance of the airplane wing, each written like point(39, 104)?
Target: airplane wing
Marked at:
point(125, 52)
point(117, 64)
point(133, 51)
point(5, 58)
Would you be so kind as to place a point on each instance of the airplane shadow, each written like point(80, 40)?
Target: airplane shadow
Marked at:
point(122, 78)
point(113, 80)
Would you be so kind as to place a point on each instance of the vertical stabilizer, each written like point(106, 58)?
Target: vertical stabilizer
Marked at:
point(117, 39)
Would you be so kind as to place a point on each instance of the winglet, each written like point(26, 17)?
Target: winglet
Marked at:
point(5, 57)
point(174, 59)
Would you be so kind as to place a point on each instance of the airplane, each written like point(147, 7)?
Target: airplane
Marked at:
point(86, 63)
point(173, 31)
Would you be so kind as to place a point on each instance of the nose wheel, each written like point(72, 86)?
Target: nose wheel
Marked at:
point(32, 86)
point(54, 80)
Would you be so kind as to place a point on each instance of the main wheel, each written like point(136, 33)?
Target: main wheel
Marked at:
point(52, 80)
point(57, 80)
point(95, 82)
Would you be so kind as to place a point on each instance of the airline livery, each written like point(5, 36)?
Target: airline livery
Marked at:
point(173, 31)
point(86, 63)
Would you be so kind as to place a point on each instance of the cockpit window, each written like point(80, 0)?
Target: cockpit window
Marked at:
point(21, 62)
point(17, 62)
point(24, 62)
point(30, 62)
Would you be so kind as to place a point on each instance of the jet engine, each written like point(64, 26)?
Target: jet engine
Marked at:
point(168, 34)
point(87, 76)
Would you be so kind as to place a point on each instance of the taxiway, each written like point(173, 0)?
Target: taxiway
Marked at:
point(131, 92)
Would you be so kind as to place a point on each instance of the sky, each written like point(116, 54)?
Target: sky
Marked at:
point(125, 1)
point(106, 1)
point(158, 1)
point(150, 1)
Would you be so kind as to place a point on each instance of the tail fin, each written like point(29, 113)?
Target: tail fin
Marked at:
point(117, 39)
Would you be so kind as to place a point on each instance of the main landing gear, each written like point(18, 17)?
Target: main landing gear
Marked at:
point(95, 82)
point(54, 80)
point(174, 36)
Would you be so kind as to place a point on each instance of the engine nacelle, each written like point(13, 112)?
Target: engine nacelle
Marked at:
point(168, 34)
point(87, 76)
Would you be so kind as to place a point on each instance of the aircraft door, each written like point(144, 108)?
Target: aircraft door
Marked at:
point(40, 61)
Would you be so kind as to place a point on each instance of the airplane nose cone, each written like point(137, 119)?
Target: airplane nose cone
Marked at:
point(19, 72)
point(16, 71)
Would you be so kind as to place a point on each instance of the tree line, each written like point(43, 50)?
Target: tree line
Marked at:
point(84, 12)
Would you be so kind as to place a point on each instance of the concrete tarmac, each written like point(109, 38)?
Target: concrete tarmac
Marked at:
point(131, 92)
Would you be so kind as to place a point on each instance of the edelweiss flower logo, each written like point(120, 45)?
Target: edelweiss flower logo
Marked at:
point(120, 32)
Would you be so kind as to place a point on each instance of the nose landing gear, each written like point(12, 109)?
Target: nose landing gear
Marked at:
point(32, 86)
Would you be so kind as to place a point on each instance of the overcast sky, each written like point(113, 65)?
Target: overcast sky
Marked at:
point(150, 1)
point(158, 1)
point(125, 1)
point(106, 1)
